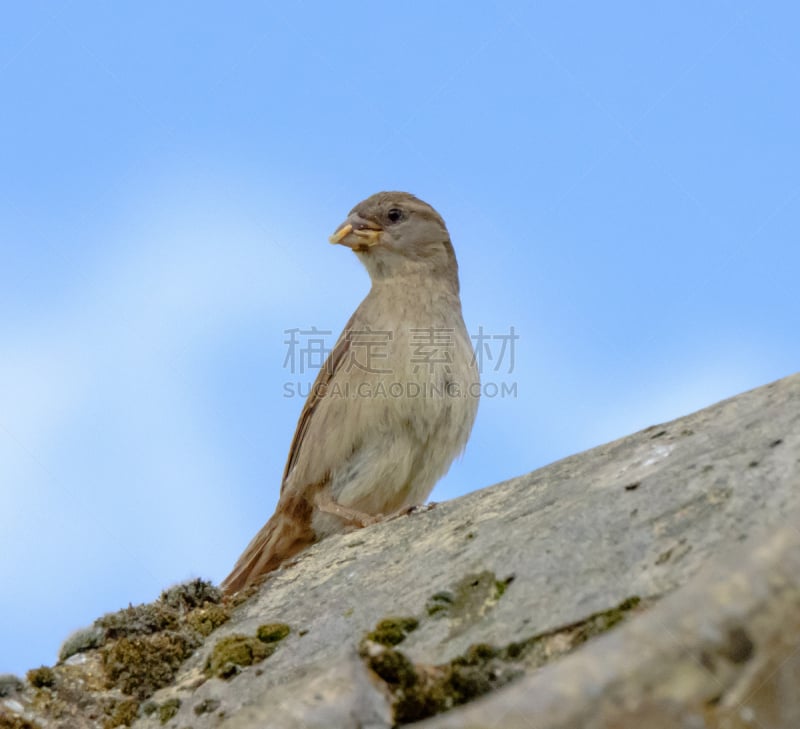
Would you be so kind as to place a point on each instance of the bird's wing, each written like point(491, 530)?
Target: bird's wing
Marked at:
point(336, 361)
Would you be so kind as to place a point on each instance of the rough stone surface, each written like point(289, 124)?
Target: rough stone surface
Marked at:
point(723, 651)
point(687, 534)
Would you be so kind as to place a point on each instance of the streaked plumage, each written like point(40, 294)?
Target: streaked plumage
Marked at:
point(359, 452)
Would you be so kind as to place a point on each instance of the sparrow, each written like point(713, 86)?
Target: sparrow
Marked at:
point(395, 401)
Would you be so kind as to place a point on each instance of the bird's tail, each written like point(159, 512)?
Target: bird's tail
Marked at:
point(282, 537)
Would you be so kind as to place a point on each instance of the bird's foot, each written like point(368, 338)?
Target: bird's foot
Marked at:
point(365, 520)
point(410, 510)
point(421, 508)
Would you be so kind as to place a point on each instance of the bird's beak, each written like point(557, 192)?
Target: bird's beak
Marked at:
point(357, 233)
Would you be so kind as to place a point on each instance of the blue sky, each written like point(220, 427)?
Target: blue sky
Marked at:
point(621, 182)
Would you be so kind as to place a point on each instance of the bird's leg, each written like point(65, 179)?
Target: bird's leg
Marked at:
point(324, 502)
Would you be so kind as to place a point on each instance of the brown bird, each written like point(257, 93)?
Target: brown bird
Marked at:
point(395, 401)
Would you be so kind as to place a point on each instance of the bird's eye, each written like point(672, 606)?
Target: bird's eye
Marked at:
point(395, 215)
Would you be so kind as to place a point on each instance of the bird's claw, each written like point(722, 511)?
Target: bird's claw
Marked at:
point(368, 520)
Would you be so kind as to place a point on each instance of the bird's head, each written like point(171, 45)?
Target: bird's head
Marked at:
point(395, 233)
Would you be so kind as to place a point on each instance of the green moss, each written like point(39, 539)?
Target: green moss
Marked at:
point(238, 598)
point(501, 586)
point(235, 651)
point(421, 691)
point(42, 677)
point(601, 622)
point(470, 598)
point(392, 631)
point(206, 706)
point(272, 632)
point(168, 709)
point(439, 603)
point(141, 665)
point(124, 714)
point(543, 648)
point(394, 668)
point(206, 620)
point(476, 655)
point(142, 647)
